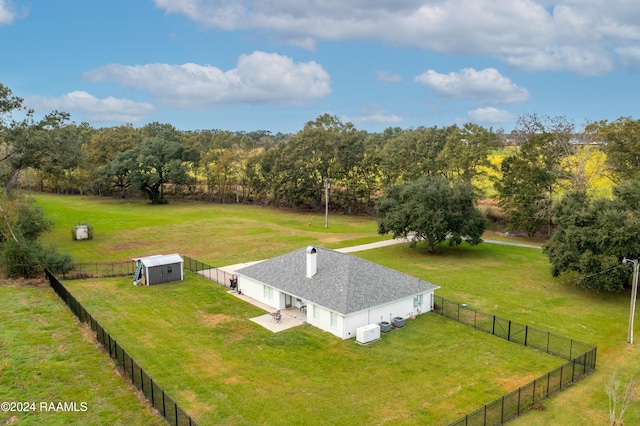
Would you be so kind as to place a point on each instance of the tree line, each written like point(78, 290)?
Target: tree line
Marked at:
point(527, 171)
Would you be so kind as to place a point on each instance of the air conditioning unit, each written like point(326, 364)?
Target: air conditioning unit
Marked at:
point(368, 333)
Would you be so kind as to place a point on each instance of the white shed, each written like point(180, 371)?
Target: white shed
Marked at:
point(81, 232)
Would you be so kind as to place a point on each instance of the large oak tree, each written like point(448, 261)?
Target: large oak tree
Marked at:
point(148, 167)
point(594, 235)
point(431, 209)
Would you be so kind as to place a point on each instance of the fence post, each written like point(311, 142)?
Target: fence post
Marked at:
point(571, 349)
point(509, 331)
point(519, 390)
point(526, 334)
point(106, 340)
point(493, 330)
point(548, 339)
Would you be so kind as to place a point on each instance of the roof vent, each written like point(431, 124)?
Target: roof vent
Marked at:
point(312, 262)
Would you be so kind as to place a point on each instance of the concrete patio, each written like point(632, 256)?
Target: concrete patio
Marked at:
point(290, 318)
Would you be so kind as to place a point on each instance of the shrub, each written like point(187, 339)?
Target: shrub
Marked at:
point(27, 259)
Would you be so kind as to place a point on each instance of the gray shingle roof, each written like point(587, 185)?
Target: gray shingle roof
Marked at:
point(343, 283)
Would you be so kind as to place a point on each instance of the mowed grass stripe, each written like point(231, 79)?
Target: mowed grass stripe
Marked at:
point(510, 282)
point(45, 356)
point(213, 233)
point(515, 283)
point(198, 342)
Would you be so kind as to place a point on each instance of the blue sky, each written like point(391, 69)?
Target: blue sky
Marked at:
point(276, 64)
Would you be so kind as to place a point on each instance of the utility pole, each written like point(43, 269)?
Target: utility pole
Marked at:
point(327, 184)
point(634, 294)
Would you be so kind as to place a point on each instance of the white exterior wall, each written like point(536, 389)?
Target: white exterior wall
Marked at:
point(402, 308)
point(255, 290)
point(323, 320)
point(345, 327)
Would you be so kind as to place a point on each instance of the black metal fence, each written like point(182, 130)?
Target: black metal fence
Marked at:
point(162, 402)
point(207, 271)
point(581, 356)
point(581, 361)
point(121, 269)
point(99, 270)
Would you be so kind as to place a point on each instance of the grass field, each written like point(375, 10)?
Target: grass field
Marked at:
point(507, 281)
point(198, 343)
point(215, 234)
point(45, 356)
point(515, 283)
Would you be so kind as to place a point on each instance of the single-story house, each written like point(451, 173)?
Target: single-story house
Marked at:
point(339, 292)
point(158, 269)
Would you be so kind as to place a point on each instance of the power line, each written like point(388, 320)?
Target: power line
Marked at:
point(589, 276)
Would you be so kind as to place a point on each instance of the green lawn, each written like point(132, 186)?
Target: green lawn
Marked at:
point(507, 281)
point(213, 233)
point(198, 343)
point(45, 356)
point(515, 283)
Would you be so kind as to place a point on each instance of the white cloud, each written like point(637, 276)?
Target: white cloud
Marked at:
point(8, 12)
point(95, 109)
point(486, 86)
point(629, 56)
point(6, 16)
point(491, 115)
point(575, 35)
point(585, 61)
point(387, 77)
point(374, 114)
point(264, 78)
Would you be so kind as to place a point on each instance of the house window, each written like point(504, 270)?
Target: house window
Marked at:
point(334, 320)
point(316, 313)
point(268, 292)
